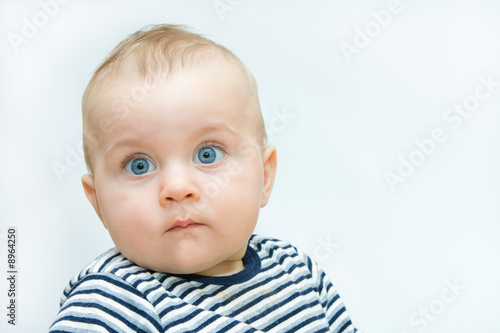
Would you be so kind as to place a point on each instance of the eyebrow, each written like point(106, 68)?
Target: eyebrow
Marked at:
point(212, 128)
point(216, 128)
point(123, 142)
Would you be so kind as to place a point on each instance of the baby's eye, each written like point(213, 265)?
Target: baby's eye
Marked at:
point(208, 155)
point(139, 166)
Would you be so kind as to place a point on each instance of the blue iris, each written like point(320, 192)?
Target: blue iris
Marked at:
point(139, 166)
point(208, 155)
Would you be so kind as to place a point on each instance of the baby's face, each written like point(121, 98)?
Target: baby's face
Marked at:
point(178, 180)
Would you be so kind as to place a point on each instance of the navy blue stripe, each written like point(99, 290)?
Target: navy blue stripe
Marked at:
point(336, 316)
point(303, 308)
point(188, 291)
point(106, 310)
point(232, 324)
point(309, 264)
point(153, 288)
point(285, 256)
point(171, 308)
point(175, 284)
point(305, 323)
point(119, 283)
point(321, 282)
point(269, 267)
point(105, 263)
point(346, 326)
point(288, 315)
point(276, 248)
point(84, 320)
point(137, 282)
point(294, 266)
point(333, 300)
point(204, 296)
point(185, 318)
point(135, 272)
point(160, 299)
point(203, 324)
point(289, 270)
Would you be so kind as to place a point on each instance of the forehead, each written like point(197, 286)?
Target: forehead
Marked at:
point(210, 95)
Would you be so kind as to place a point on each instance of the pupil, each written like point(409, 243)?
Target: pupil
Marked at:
point(140, 166)
point(207, 155)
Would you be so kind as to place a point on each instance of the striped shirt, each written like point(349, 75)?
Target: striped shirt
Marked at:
point(280, 289)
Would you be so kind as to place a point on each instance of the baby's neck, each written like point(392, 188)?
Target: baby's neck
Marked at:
point(224, 268)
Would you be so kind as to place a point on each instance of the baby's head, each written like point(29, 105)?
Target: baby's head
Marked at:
point(175, 145)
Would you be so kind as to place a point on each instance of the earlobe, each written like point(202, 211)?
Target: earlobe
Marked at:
point(270, 162)
point(90, 192)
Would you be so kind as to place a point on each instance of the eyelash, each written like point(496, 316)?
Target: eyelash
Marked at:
point(211, 144)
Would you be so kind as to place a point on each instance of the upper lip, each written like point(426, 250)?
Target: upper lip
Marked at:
point(182, 223)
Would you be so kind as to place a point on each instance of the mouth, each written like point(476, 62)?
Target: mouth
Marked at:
point(180, 225)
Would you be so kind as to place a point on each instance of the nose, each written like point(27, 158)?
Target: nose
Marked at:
point(178, 184)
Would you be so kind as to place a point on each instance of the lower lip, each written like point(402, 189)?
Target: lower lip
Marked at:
point(188, 227)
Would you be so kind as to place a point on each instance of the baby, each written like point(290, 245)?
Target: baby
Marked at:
point(179, 168)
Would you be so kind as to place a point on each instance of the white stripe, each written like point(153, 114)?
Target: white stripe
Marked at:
point(93, 313)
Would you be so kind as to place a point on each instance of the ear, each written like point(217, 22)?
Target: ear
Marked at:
point(269, 162)
point(89, 189)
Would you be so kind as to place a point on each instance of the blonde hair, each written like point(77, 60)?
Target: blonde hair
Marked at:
point(152, 53)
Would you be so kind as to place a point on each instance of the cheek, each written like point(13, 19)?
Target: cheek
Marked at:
point(124, 211)
point(131, 225)
point(241, 189)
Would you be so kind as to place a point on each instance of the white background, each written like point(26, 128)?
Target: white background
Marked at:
point(392, 254)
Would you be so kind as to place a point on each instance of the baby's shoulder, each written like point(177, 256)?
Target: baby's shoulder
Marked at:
point(113, 293)
point(261, 241)
point(276, 249)
point(109, 269)
point(110, 262)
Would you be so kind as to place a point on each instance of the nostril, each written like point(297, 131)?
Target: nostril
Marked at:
point(179, 198)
